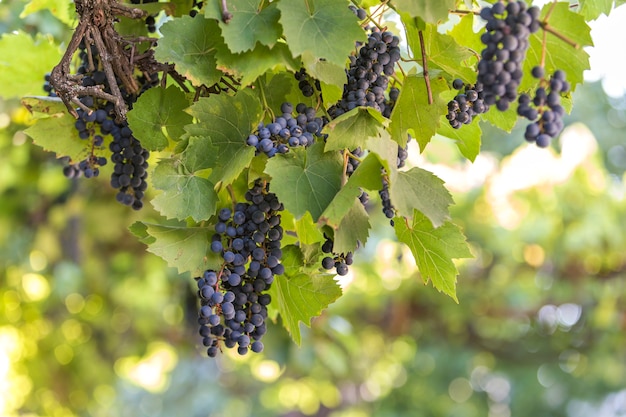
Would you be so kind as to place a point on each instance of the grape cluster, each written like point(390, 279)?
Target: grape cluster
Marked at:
point(130, 169)
point(287, 131)
point(544, 109)
point(466, 105)
point(338, 261)
point(368, 75)
point(85, 125)
point(306, 83)
point(506, 40)
point(129, 157)
point(233, 299)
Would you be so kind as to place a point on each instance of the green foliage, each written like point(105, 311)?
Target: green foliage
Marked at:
point(323, 28)
point(191, 45)
point(434, 250)
point(300, 296)
point(413, 113)
point(30, 59)
point(249, 25)
point(232, 76)
point(86, 314)
point(159, 117)
point(306, 179)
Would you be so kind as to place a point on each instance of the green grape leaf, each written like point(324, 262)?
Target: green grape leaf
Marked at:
point(325, 71)
point(463, 34)
point(297, 296)
point(354, 229)
point(277, 89)
point(26, 61)
point(307, 231)
point(225, 123)
point(184, 194)
point(467, 137)
point(412, 113)
point(61, 9)
point(185, 248)
point(421, 190)
point(140, 231)
point(367, 176)
point(592, 9)
point(324, 28)
point(352, 129)
point(191, 45)
point(54, 130)
point(248, 66)
point(248, 25)
point(428, 10)
point(433, 250)
point(331, 92)
point(560, 55)
point(158, 116)
point(442, 52)
point(306, 179)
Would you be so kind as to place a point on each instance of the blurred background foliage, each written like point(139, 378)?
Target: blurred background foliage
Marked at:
point(91, 324)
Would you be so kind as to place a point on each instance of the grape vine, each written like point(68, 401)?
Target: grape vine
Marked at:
point(209, 89)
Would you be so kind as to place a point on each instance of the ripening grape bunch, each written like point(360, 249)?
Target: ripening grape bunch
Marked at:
point(338, 261)
point(130, 159)
point(287, 131)
point(368, 75)
point(464, 106)
point(506, 41)
point(306, 83)
point(544, 109)
point(131, 166)
point(233, 298)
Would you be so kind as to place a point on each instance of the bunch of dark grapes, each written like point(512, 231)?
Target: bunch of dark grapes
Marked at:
point(306, 83)
point(544, 109)
point(129, 157)
point(466, 105)
point(130, 169)
point(506, 40)
point(233, 299)
point(335, 260)
point(368, 75)
point(287, 131)
point(86, 127)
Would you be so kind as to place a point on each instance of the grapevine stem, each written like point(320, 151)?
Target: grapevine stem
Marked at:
point(353, 156)
point(231, 192)
point(226, 15)
point(546, 27)
point(457, 11)
point(425, 68)
point(229, 85)
point(552, 6)
point(265, 105)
